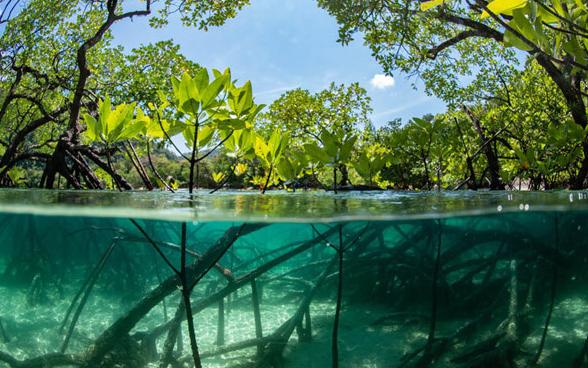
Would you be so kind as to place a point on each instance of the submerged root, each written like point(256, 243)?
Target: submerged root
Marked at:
point(194, 272)
point(84, 293)
point(272, 352)
point(504, 346)
point(167, 357)
point(582, 358)
point(3, 333)
point(433, 289)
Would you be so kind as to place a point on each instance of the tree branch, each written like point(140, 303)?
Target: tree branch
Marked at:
point(433, 52)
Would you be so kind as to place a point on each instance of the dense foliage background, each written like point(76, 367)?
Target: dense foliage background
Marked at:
point(78, 112)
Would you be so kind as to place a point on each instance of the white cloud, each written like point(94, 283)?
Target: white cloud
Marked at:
point(276, 90)
point(381, 81)
point(419, 101)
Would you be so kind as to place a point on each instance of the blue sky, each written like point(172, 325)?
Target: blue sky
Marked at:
point(285, 44)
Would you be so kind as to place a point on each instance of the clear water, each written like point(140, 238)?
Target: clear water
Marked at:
point(442, 280)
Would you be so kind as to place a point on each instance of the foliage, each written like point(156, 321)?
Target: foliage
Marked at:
point(270, 153)
point(369, 164)
point(58, 59)
point(305, 115)
point(513, 75)
point(445, 42)
point(112, 125)
point(335, 150)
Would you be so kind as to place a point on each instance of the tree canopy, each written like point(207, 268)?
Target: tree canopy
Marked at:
point(77, 111)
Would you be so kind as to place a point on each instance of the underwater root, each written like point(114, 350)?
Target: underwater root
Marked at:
point(171, 339)
point(239, 282)
point(452, 280)
point(158, 245)
point(84, 293)
point(582, 359)
point(503, 346)
point(3, 333)
point(116, 344)
point(272, 345)
point(194, 272)
point(118, 332)
point(272, 352)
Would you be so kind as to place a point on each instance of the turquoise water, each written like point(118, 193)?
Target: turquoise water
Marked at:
point(463, 279)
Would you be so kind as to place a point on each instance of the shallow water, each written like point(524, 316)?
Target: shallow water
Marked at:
point(443, 280)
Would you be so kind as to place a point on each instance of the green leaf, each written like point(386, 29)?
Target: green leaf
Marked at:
point(546, 16)
point(117, 120)
point(426, 5)
point(216, 73)
point(154, 129)
point(227, 73)
point(240, 169)
point(286, 169)
point(510, 39)
point(345, 153)
point(91, 126)
point(201, 81)
point(330, 144)
point(503, 7)
point(132, 130)
point(104, 109)
point(274, 145)
point(245, 139)
point(218, 177)
point(188, 95)
point(261, 149)
point(300, 158)
point(255, 111)
point(245, 99)
point(17, 175)
point(212, 91)
point(205, 134)
point(573, 48)
point(175, 88)
point(316, 153)
point(230, 143)
point(188, 134)
point(231, 124)
point(362, 166)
